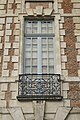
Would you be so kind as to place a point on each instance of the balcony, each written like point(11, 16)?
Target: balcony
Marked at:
point(39, 87)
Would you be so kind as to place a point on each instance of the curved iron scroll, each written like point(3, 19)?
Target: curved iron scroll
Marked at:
point(39, 87)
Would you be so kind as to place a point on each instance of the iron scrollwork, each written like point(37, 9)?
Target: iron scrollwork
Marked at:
point(46, 87)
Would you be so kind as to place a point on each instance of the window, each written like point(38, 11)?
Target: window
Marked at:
point(39, 44)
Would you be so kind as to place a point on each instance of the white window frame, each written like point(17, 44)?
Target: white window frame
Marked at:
point(57, 63)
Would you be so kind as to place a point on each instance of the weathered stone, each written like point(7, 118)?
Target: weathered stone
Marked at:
point(62, 113)
point(16, 113)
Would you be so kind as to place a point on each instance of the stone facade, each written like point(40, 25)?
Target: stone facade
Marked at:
point(67, 27)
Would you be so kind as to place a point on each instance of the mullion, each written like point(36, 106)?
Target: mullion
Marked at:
point(31, 58)
point(47, 57)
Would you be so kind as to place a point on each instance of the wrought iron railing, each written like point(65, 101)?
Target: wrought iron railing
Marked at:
point(39, 87)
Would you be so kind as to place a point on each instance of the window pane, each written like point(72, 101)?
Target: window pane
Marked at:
point(38, 41)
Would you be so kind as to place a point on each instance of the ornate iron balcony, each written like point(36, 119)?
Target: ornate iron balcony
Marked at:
point(39, 87)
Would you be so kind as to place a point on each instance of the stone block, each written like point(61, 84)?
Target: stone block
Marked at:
point(0, 59)
point(15, 58)
point(3, 2)
point(6, 117)
point(7, 26)
point(9, 20)
point(61, 11)
point(63, 44)
point(62, 32)
point(13, 104)
point(64, 94)
point(4, 86)
point(17, 26)
point(76, 5)
point(18, 6)
point(17, 11)
point(14, 73)
point(16, 113)
point(64, 58)
point(29, 11)
point(5, 51)
point(0, 39)
point(62, 113)
point(51, 107)
point(65, 72)
point(16, 20)
point(0, 45)
point(62, 51)
point(77, 45)
point(76, 19)
point(59, 5)
point(17, 38)
point(77, 26)
point(78, 58)
point(27, 107)
point(1, 27)
point(2, 12)
point(75, 1)
point(62, 20)
point(5, 73)
point(16, 66)
point(39, 10)
point(7, 45)
point(61, 26)
point(16, 32)
point(75, 116)
point(8, 32)
point(77, 32)
point(79, 51)
point(15, 45)
point(2, 103)
point(9, 5)
point(61, 38)
point(39, 110)
point(14, 94)
point(6, 58)
point(67, 103)
point(18, 1)
point(2, 33)
point(1, 7)
point(78, 38)
point(2, 95)
point(5, 65)
point(13, 87)
point(79, 73)
point(10, 11)
point(63, 66)
point(65, 86)
point(7, 38)
point(48, 11)
point(10, 1)
point(16, 52)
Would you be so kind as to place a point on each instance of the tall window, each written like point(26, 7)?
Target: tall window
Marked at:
point(39, 44)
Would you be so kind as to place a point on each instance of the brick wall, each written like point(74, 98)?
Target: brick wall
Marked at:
point(11, 12)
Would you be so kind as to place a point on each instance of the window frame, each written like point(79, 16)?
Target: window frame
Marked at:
point(56, 18)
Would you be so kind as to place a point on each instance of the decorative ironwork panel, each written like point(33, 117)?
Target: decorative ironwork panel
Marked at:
point(41, 86)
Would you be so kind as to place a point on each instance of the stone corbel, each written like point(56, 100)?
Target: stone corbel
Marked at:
point(39, 108)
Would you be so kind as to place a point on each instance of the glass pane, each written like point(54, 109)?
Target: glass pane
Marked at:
point(44, 55)
point(51, 61)
point(27, 69)
point(27, 61)
point(44, 62)
point(34, 54)
point(34, 61)
point(44, 69)
point(28, 55)
point(51, 69)
point(34, 69)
